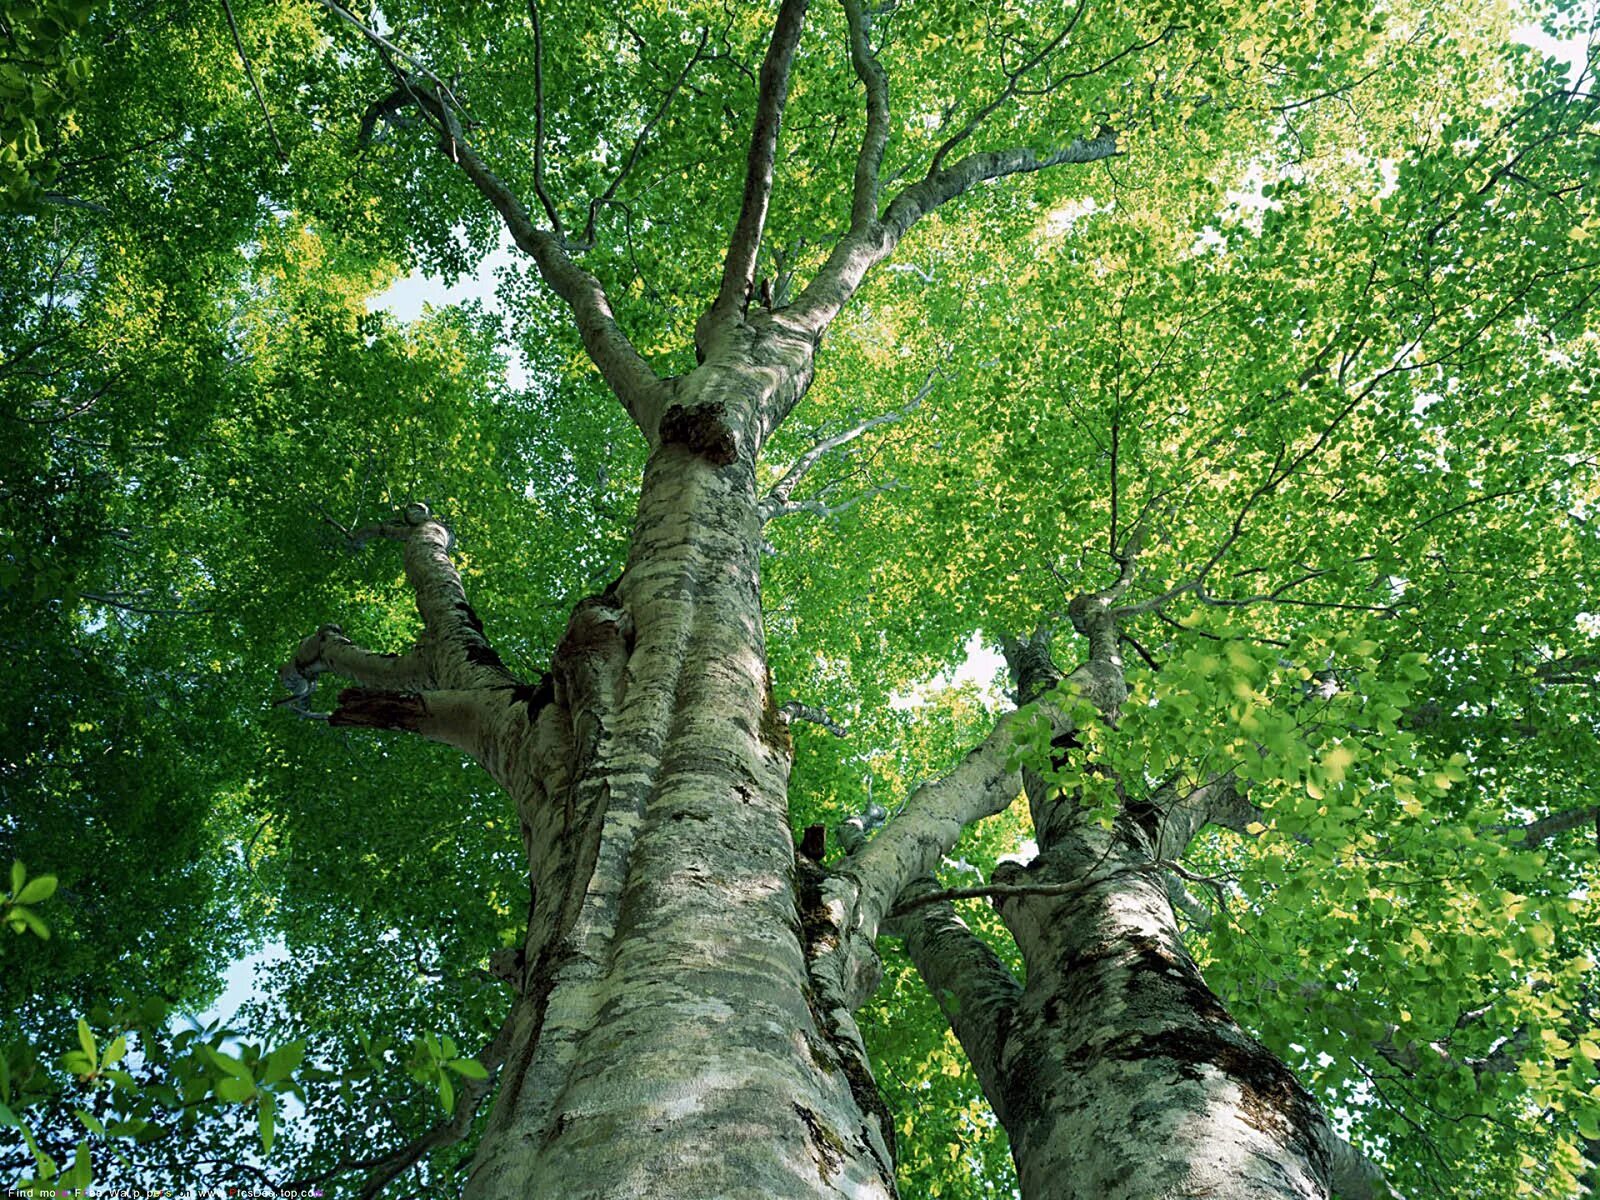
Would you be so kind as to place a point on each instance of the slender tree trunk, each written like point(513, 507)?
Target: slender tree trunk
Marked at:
point(668, 1040)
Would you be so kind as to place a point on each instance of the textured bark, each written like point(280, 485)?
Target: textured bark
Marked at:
point(675, 1045)
point(1124, 1075)
point(1115, 1070)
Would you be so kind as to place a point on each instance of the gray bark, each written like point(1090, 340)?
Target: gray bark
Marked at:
point(1115, 1070)
point(677, 1047)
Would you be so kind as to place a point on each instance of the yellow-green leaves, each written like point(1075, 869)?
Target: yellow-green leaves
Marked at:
point(15, 908)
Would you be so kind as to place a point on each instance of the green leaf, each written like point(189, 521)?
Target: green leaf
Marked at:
point(21, 918)
point(233, 1089)
point(86, 1040)
point(41, 887)
point(283, 1062)
point(227, 1063)
point(266, 1111)
point(91, 1122)
point(447, 1093)
point(470, 1068)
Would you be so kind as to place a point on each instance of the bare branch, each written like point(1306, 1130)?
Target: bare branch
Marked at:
point(114, 600)
point(875, 139)
point(609, 195)
point(777, 500)
point(1535, 833)
point(821, 508)
point(794, 710)
point(1014, 80)
point(739, 268)
point(624, 369)
point(538, 120)
point(1001, 891)
point(861, 249)
point(255, 85)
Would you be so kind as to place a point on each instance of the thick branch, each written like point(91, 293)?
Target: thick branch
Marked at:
point(875, 140)
point(739, 268)
point(453, 645)
point(863, 248)
point(909, 903)
point(975, 990)
point(985, 782)
point(1352, 1175)
point(451, 660)
point(330, 651)
point(452, 718)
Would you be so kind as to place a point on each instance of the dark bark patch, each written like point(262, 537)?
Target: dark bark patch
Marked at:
point(703, 429)
point(827, 1146)
point(470, 616)
point(813, 843)
point(817, 931)
point(483, 655)
point(1149, 956)
point(774, 730)
point(864, 1090)
point(361, 708)
point(534, 695)
point(1271, 1098)
point(1146, 816)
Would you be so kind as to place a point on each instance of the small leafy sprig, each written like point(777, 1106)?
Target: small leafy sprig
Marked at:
point(16, 909)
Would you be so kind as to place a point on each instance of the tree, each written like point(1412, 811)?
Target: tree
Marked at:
point(1242, 399)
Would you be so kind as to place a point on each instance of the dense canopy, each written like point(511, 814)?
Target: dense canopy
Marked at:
point(1269, 324)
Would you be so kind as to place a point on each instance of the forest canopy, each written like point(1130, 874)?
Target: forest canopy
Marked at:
point(1167, 412)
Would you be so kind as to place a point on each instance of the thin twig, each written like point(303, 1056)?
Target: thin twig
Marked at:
point(255, 85)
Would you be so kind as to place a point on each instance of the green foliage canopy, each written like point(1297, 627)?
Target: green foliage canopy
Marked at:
point(1322, 331)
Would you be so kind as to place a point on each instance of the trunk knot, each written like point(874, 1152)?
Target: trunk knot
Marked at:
point(702, 428)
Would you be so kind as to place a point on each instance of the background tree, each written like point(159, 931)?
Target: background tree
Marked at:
point(1263, 367)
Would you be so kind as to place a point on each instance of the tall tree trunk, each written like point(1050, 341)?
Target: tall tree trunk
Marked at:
point(1115, 1071)
point(668, 1040)
point(1124, 1075)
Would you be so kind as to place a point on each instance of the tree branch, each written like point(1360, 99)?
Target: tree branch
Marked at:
point(423, 690)
point(861, 249)
point(624, 369)
point(777, 501)
point(1535, 833)
point(794, 710)
point(452, 718)
point(985, 782)
point(255, 85)
point(875, 139)
point(739, 268)
point(821, 508)
point(538, 120)
point(626, 169)
point(908, 904)
point(975, 990)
